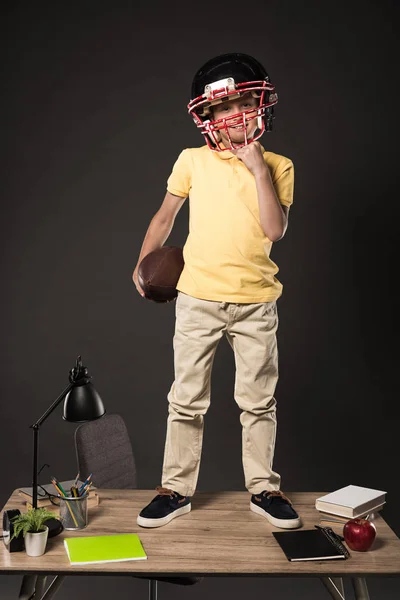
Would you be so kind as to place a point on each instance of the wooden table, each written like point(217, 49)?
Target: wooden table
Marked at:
point(219, 537)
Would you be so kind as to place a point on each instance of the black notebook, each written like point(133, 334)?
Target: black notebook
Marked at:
point(311, 544)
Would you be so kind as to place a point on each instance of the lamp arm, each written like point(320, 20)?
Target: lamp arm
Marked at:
point(52, 407)
point(35, 428)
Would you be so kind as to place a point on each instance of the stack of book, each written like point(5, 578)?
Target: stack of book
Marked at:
point(350, 502)
point(47, 493)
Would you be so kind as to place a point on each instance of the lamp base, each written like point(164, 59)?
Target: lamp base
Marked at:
point(55, 527)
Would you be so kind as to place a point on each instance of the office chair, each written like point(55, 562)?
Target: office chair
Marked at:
point(103, 447)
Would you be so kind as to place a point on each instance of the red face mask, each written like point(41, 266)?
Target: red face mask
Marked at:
point(227, 89)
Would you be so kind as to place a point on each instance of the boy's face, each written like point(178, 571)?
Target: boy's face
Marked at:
point(235, 127)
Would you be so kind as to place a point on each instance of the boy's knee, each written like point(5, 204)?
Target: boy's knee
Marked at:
point(262, 407)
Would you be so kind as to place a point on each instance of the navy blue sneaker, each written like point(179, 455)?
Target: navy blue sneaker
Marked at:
point(163, 508)
point(275, 507)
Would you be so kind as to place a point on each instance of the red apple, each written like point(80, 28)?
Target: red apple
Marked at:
point(359, 534)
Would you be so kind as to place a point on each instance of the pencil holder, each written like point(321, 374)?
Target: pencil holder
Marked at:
point(74, 512)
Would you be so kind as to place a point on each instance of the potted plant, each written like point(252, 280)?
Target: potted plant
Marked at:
point(32, 526)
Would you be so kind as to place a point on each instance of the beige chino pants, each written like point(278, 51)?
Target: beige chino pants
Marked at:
point(251, 332)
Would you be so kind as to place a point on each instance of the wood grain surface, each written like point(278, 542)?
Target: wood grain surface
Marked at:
point(220, 536)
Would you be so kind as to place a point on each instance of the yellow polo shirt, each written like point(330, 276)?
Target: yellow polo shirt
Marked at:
point(227, 254)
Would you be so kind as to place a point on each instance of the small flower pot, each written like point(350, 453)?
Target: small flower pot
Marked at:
point(35, 543)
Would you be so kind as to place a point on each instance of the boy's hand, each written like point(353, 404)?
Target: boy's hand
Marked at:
point(137, 284)
point(252, 156)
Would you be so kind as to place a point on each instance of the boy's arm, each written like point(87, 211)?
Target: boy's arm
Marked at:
point(273, 215)
point(158, 231)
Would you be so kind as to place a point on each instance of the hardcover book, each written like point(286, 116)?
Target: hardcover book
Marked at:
point(351, 501)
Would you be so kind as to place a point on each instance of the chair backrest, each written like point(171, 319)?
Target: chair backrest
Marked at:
point(104, 449)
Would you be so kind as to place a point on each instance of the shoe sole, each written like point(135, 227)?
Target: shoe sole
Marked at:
point(143, 522)
point(282, 523)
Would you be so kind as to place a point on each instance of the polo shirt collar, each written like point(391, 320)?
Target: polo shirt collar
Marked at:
point(227, 154)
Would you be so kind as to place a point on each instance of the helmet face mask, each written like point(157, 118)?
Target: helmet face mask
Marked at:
point(229, 77)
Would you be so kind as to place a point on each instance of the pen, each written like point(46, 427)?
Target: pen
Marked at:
point(331, 532)
point(58, 486)
point(328, 531)
point(86, 489)
point(62, 489)
point(84, 484)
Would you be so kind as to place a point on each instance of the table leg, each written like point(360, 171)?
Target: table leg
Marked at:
point(360, 588)
point(33, 587)
point(52, 589)
point(334, 585)
point(28, 587)
point(40, 585)
point(153, 589)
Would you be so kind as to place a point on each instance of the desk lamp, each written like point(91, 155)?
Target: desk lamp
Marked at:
point(82, 403)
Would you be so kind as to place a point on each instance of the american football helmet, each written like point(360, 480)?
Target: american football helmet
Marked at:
point(228, 77)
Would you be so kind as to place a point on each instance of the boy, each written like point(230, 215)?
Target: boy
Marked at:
point(239, 204)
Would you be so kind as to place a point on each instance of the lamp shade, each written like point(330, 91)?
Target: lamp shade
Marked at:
point(83, 403)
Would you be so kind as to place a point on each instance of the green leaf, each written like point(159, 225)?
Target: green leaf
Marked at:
point(31, 521)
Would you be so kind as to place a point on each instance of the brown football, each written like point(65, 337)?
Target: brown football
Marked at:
point(159, 271)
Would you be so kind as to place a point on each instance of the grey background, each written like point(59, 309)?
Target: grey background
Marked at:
point(94, 115)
